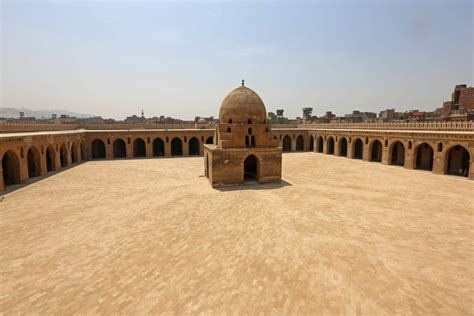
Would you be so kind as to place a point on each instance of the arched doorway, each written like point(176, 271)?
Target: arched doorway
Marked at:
point(376, 151)
point(34, 165)
point(83, 150)
point(98, 149)
point(330, 144)
point(358, 149)
point(311, 143)
point(287, 143)
point(194, 147)
point(139, 148)
point(397, 156)
point(343, 147)
point(300, 143)
point(209, 140)
point(11, 168)
point(457, 161)
point(320, 144)
point(74, 153)
point(176, 147)
point(120, 149)
point(50, 159)
point(424, 157)
point(251, 168)
point(63, 155)
point(158, 147)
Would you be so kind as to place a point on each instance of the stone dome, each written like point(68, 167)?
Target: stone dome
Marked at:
point(202, 120)
point(242, 104)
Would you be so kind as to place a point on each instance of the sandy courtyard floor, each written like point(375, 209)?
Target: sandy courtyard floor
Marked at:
point(151, 236)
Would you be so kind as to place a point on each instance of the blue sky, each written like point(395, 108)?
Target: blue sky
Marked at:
point(180, 59)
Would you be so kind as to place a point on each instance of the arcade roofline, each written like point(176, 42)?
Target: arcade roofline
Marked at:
point(207, 131)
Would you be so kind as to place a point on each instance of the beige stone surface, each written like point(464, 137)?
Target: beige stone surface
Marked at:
point(151, 236)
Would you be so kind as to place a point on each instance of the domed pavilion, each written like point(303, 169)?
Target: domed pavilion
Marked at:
point(244, 149)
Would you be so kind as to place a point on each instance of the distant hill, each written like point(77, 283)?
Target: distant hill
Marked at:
point(14, 113)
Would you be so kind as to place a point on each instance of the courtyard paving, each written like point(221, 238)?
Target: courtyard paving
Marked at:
point(150, 236)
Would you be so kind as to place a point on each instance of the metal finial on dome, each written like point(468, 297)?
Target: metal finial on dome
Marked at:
point(242, 82)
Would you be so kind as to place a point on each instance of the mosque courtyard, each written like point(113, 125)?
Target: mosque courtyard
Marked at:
point(338, 236)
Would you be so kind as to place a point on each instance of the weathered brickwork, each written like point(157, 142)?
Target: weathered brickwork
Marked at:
point(29, 155)
point(245, 147)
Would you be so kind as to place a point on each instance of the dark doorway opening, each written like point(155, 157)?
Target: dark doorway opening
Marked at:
point(358, 149)
point(176, 147)
point(424, 157)
point(11, 168)
point(299, 143)
point(98, 149)
point(330, 146)
point(63, 156)
point(458, 161)
point(251, 168)
point(320, 144)
point(33, 157)
point(120, 149)
point(376, 151)
point(139, 148)
point(74, 153)
point(287, 143)
point(343, 147)
point(194, 147)
point(158, 147)
point(50, 159)
point(397, 157)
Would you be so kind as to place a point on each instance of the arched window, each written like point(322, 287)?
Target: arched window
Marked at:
point(440, 147)
point(252, 140)
point(228, 130)
point(247, 140)
point(249, 121)
point(230, 121)
point(250, 131)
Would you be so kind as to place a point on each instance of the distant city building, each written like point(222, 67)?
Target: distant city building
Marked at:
point(307, 111)
point(359, 117)
point(461, 104)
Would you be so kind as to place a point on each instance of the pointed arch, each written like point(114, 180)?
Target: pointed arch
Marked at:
point(300, 143)
point(251, 168)
point(397, 153)
point(74, 153)
point(286, 143)
point(424, 155)
point(194, 147)
point(375, 151)
point(158, 147)
point(63, 156)
point(98, 149)
point(457, 161)
point(358, 149)
point(343, 147)
point(330, 145)
point(34, 162)
point(120, 148)
point(11, 168)
point(176, 147)
point(139, 148)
